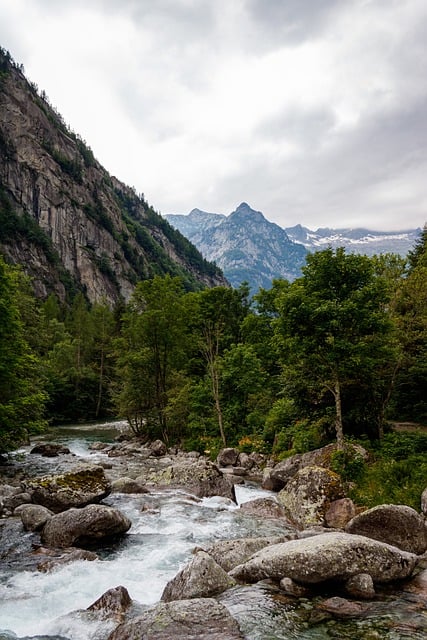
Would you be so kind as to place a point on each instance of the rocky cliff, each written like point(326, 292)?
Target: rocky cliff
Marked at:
point(65, 219)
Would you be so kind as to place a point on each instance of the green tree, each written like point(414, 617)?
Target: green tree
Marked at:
point(334, 330)
point(153, 349)
point(22, 396)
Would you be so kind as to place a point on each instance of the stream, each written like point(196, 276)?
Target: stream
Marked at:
point(166, 526)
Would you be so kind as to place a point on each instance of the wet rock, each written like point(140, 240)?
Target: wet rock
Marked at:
point(329, 556)
point(49, 449)
point(418, 584)
point(201, 619)
point(307, 497)
point(292, 588)
point(342, 608)
point(200, 477)
point(127, 485)
point(339, 513)
point(280, 475)
point(88, 525)
point(360, 586)
point(398, 525)
point(99, 446)
point(245, 461)
point(424, 502)
point(230, 553)
point(12, 502)
point(227, 457)
point(33, 516)
point(112, 604)
point(85, 485)
point(53, 558)
point(202, 577)
point(264, 508)
point(7, 490)
point(158, 448)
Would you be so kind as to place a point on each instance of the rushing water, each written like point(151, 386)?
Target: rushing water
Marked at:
point(166, 526)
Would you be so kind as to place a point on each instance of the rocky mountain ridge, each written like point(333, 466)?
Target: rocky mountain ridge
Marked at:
point(244, 244)
point(69, 223)
point(248, 247)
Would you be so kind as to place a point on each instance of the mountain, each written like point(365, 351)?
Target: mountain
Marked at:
point(244, 244)
point(355, 240)
point(250, 248)
point(69, 223)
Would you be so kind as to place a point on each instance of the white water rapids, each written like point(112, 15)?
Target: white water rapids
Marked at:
point(166, 526)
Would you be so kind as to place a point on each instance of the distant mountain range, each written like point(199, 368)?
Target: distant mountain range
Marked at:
point(249, 248)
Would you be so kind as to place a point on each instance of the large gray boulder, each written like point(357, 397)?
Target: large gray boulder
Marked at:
point(202, 577)
point(33, 516)
point(200, 477)
point(395, 524)
point(230, 553)
point(112, 604)
point(307, 497)
point(90, 524)
point(263, 508)
point(328, 556)
point(84, 485)
point(201, 619)
point(228, 456)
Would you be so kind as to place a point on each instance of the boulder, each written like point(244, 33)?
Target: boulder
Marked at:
point(286, 469)
point(33, 516)
point(49, 449)
point(90, 524)
point(328, 556)
point(230, 553)
point(53, 558)
point(85, 485)
point(202, 577)
point(424, 502)
point(307, 497)
point(245, 461)
point(360, 586)
point(201, 618)
point(16, 500)
point(127, 485)
point(158, 448)
point(112, 604)
point(339, 513)
point(292, 588)
point(200, 477)
point(398, 525)
point(270, 483)
point(264, 508)
point(227, 457)
point(342, 608)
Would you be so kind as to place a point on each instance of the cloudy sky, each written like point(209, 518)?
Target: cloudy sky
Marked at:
point(312, 111)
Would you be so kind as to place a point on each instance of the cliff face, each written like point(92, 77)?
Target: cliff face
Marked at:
point(65, 219)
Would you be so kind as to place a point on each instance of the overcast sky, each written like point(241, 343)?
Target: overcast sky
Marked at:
point(312, 111)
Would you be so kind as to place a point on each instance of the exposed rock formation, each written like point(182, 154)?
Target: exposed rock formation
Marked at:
point(329, 556)
point(83, 486)
point(65, 219)
point(84, 526)
point(395, 524)
point(202, 577)
point(201, 618)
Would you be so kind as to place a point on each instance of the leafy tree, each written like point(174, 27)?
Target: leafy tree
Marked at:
point(334, 331)
point(152, 351)
point(22, 396)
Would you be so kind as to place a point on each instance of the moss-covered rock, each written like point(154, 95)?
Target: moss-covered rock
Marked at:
point(85, 485)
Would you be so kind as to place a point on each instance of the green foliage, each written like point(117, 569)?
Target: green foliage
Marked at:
point(22, 395)
point(348, 463)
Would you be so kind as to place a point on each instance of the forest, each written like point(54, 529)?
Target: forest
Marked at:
point(335, 355)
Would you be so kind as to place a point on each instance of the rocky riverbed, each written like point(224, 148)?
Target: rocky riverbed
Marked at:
point(127, 540)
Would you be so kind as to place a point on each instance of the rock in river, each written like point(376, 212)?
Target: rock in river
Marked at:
point(201, 618)
point(85, 485)
point(329, 556)
point(84, 526)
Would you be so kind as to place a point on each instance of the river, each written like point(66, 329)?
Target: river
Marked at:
point(166, 526)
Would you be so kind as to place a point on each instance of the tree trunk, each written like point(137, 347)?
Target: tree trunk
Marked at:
point(338, 415)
